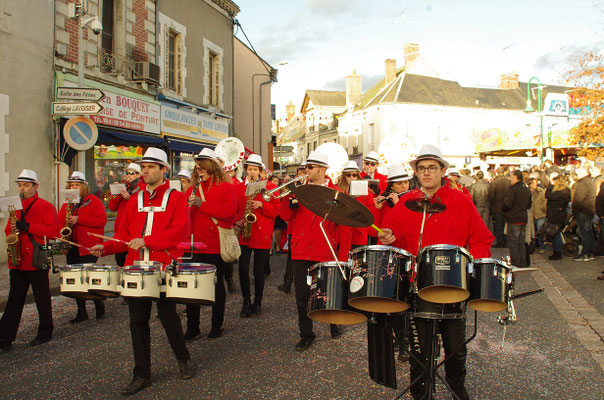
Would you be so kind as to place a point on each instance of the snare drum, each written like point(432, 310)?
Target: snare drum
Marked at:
point(489, 285)
point(442, 273)
point(141, 282)
point(103, 280)
point(328, 295)
point(425, 309)
point(379, 279)
point(73, 281)
point(194, 283)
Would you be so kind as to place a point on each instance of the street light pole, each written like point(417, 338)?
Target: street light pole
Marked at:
point(81, 77)
point(529, 108)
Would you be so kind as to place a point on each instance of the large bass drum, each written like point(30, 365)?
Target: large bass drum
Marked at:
point(329, 295)
point(379, 279)
point(489, 285)
point(442, 273)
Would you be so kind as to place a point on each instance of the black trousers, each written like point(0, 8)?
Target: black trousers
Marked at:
point(19, 285)
point(300, 268)
point(74, 257)
point(498, 228)
point(288, 276)
point(260, 259)
point(193, 310)
point(453, 333)
point(120, 258)
point(140, 313)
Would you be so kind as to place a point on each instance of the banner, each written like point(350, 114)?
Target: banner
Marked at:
point(187, 124)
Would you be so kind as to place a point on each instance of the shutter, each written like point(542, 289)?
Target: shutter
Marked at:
point(217, 80)
point(178, 64)
point(166, 56)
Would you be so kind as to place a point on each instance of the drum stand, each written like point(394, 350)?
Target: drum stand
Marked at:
point(431, 365)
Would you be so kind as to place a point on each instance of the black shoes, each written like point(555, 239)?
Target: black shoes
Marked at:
point(186, 368)
point(135, 386)
point(304, 344)
point(556, 256)
point(284, 288)
point(245, 309)
point(231, 285)
point(80, 316)
point(40, 340)
point(192, 335)
point(215, 332)
point(336, 331)
point(5, 346)
point(256, 308)
point(459, 390)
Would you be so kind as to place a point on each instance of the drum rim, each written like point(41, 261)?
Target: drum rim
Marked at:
point(77, 267)
point(139, 271)
point(446, 247)
point(329, 264)
point(104, 268)
point(491, 261)
point(180, 265)
point(381, 247)
point(210, 270)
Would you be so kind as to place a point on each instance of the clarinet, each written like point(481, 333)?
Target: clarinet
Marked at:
point(192, 196)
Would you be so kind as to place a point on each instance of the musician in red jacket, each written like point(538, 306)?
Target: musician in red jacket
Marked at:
point(371, 162)
point(398, 184)
point(134, 183)
point(308, 247)
point(37, 220)
point(212, 203)
point(88, 215)
point(260, 235)
point(454, 183)
point(154, 223)
point(232, 179)
point(459, 224)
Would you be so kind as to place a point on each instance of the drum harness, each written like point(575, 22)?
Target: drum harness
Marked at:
point(150, 210)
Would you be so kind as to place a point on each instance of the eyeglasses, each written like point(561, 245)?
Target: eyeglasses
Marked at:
point(432, 169)
point(373, 164)
point(309, 167)
point(352, 175)
point(131, 173)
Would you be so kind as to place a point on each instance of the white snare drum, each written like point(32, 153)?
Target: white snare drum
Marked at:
point(141, 282)
point(194, 283)
point(103, 280)
point(73, 281)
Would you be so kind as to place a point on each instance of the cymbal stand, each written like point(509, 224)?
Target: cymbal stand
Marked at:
point(431, 365)
point(333, 253)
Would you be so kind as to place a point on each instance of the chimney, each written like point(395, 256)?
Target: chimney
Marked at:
point(509, 81)
point(411, 52)
point(353, 88)
point(290, 111)
point(390, 70)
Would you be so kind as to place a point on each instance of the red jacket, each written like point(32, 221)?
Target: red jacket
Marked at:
point(460, 224)
point(170, 227)
point(219, 203)
point(42, 219)
point(307, 240)
point(91, 218)
point(359, 235)
point(118, 203)
point(262, 229)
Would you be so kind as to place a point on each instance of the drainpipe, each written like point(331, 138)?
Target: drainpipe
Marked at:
point(260, 108)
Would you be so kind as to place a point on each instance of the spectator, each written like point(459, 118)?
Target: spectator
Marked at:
point(558, 197)
point(538, 209)
point(453, 177)
point(465, 178)
point(584, 209)
point(550, 168)
point(480, 195)
point(497, 189)
point(600, 211)
point(515, 205)
point(596, 174)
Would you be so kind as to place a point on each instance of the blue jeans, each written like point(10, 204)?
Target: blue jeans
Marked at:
point(558, 243)
point(586, 232)
point(538, 224)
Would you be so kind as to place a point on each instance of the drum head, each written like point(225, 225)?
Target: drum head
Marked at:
point(378, 304)
point(83, 295)
point(443, 294)
point(338, 317)
point(487, 305)
point(104, 293)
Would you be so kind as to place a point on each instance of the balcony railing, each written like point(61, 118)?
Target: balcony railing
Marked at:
point(112, 63)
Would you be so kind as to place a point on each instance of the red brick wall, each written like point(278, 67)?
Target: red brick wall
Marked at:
point(71, 26)
point(139, 31)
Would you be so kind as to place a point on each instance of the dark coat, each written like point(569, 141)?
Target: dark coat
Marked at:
point(557, 202)
point(600, 204)
point(516, 202)
point(497, 190)
point(584, 201)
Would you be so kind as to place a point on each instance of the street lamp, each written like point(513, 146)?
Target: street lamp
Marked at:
point(529, 107)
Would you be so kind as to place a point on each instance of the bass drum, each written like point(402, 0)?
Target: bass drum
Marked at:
point(442, 273)
point(328, 295)
point(489, 285)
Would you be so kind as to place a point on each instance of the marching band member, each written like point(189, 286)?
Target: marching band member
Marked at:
point(212, 201)
point(260, 235)
point(185, 179)
point(454, 183)
point(134, 183)
point(154, 241)
point(351, 172)
point(88, 215)
point(398, 184)
point(37, 220)
point(308, 246)
point(231, 178)
point(460, 225)
point(370, 163)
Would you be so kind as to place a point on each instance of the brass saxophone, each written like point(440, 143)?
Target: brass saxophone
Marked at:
point(12, 240)
point(249, 217)
point(66, 230)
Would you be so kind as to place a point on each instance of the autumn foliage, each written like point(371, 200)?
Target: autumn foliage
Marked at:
point(587, 78)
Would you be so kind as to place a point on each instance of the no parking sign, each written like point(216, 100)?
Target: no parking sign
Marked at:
point(80, 133)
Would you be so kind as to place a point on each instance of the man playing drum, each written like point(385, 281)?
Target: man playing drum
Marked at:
point(154, 223)
point(459, 225)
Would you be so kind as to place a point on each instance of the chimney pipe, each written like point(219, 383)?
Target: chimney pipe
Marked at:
point(411, 52)
point(509, 81)
point(390, 70)
point(353, 88)
point(290, 111)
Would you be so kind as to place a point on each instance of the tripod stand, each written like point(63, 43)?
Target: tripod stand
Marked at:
point(431, 364)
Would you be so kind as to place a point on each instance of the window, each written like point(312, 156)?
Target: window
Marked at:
point(107, 21)
point(214, 78)
point(173, 61)
point(307, 149)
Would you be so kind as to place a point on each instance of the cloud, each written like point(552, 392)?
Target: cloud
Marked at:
point(337, 8)
point(566, 55)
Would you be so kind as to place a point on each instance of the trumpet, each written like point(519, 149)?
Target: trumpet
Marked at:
point(284, 189)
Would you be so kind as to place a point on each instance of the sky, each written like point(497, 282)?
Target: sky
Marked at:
point(469, 41)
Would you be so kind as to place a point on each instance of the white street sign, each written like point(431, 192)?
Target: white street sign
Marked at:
point(77, 93)
point(84, 108)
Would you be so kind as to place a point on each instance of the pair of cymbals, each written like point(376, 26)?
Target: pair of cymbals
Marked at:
point(344, 209)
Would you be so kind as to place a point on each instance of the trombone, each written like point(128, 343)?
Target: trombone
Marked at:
point(284, 189)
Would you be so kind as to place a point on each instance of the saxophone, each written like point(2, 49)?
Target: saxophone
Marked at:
point(249, 217)
point(66, 230)
point(12, 240)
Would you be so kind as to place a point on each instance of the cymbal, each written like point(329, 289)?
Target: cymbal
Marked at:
point(339, 207)
point(432, 206)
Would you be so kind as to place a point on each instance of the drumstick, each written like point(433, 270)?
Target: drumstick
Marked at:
point(106, 237)
point(376, 228)
point(73, 244)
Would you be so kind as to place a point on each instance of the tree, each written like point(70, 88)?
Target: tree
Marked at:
point(587, 79)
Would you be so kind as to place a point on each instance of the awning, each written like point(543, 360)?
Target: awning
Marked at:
point(187, 146)
point(107, 136)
